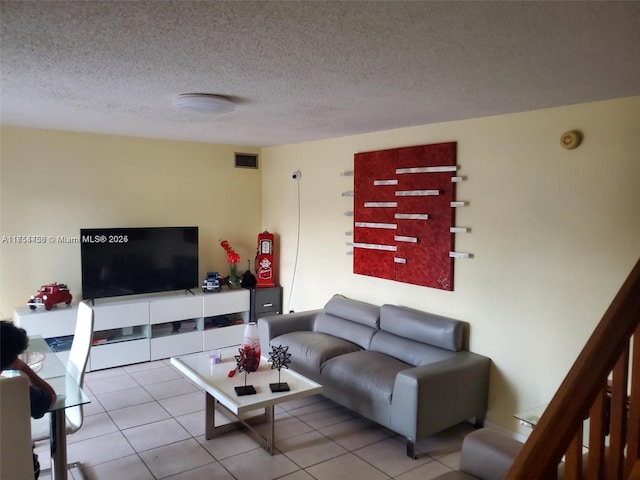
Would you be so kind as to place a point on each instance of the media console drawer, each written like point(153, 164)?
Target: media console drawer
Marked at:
point(120, 353)
point(173, 309)
point(230, 301)
point(222, 337)
point(117, 315)
point(165, 347)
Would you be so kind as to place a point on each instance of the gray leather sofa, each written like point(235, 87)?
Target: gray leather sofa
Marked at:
point(402, 368)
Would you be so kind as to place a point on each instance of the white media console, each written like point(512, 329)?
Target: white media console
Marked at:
point(132, 330)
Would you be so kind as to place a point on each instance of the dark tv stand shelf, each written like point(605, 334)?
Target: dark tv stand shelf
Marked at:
point(265, 301)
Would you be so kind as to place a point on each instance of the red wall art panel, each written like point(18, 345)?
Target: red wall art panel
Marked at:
point(403, 214)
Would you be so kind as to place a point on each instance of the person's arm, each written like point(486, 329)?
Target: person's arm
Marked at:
point(34, 378)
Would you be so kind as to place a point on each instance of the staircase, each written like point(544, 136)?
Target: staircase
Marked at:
point(604, 386)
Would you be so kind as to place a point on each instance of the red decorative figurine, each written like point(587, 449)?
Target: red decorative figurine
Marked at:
point(50, 295)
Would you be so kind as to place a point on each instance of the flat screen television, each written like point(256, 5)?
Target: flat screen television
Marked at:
point(130, 261)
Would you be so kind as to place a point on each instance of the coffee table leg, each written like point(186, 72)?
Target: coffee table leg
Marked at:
point(211, 431)
point(210, 416)
point(270, 428)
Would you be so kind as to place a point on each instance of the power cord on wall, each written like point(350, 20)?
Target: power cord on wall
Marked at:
point(296, 177)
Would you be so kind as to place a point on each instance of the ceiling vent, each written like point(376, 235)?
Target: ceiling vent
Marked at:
point(246, 160)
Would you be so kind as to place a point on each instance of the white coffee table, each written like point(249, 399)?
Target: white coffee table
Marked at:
point(220, 390)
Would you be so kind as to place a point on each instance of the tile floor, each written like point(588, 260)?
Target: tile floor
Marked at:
point(146, 422)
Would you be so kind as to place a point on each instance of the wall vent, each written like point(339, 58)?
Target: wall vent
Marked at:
point(246, 160)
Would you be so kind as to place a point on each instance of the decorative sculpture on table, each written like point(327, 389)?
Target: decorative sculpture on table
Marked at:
point(279, 357)
point(246, 362)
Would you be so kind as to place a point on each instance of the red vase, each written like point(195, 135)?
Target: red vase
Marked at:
point(251, 341)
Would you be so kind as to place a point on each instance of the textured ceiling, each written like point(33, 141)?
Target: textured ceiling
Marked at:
point(306, 70)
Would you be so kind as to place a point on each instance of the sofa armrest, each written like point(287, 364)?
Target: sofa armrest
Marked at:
point(433, 397)
point(275, 325)
point(488, 454)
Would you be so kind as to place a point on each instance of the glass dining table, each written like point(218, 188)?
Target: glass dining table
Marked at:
point(69, 394)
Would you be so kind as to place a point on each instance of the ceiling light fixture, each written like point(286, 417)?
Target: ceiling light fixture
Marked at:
point(204, 103)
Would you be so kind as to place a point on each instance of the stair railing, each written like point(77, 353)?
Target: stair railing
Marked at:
point(603, 385)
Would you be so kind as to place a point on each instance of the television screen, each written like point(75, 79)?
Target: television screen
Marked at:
point(129, 261)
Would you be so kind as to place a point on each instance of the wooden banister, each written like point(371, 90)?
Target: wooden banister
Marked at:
point(583, 393)
point(633, 440)
point(599, 429)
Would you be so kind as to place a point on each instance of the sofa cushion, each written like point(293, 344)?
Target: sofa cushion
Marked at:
point(339, 327)
point(423, 327)
point(409, 351)
point(365, 374)
point(354, 310)
point(309, 350)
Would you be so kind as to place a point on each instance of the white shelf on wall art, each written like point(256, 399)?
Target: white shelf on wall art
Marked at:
point(436, 169)
point(460, 255)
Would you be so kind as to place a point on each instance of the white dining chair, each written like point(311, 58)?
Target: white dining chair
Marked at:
point(16, 455)
point(76, 365)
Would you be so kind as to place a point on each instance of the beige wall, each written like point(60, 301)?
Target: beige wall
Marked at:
point(553, 233)
point(54, 183)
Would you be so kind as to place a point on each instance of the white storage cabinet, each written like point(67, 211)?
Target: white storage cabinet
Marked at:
point(120, 334)
point(148, 328)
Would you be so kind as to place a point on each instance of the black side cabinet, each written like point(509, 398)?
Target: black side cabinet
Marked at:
point(264, 302)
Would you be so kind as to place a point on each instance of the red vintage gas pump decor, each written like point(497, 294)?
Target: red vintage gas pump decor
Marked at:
point(264, 261)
